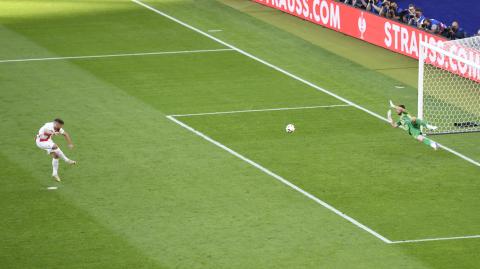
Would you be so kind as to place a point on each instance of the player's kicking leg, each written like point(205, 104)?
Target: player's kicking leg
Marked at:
point(57, 153)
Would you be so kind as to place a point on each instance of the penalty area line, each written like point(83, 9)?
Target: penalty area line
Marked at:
point(258, 110)
point(300, 190)
point(281, 179)
point(435, 239)
point(114, 55)
point(306, 82)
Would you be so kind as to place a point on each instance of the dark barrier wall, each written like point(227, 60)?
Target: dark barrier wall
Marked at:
point(467, 12)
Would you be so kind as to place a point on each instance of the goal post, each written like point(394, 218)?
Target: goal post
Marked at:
point(449, 85)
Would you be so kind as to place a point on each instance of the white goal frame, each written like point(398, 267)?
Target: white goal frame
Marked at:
point(424, 47)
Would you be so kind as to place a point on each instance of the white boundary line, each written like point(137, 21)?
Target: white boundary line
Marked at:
point(263, 169)
point(256, 110)
point(282, 180)
point(113, 55)
point(293, 186)
point(468, 159)
point(435, 239)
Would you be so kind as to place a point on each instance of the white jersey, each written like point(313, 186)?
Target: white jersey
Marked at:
point(47, 131)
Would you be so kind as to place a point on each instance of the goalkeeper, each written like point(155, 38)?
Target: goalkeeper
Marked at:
point(411, 124)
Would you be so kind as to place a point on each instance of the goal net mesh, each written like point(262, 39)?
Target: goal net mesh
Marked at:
point(450, 97)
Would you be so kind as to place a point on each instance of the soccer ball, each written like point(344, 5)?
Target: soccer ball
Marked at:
point(290, 128)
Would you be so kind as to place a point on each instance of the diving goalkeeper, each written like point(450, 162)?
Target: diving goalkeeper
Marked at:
point(411, 124)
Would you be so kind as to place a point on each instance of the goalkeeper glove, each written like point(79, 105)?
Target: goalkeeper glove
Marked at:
point(392, 105)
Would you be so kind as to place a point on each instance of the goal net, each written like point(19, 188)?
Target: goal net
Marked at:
point(449, 85)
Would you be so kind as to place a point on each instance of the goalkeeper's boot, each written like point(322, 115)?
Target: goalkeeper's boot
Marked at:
point(71, 162)
point(431, 127)
point(434, 145)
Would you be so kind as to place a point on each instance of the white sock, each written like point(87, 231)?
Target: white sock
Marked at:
point(431, 127)
point(60, 154)
point(55, 166)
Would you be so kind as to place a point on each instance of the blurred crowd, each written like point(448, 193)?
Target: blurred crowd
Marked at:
point(411, 15)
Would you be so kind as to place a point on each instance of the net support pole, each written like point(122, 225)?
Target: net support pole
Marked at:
point(421, 61)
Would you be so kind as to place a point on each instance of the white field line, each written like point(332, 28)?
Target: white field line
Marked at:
point(293, 186)
point(358, 224)
point(435, 239)
point(257, 110)
point(468, 159)
point(113, 55)
point(282, 180)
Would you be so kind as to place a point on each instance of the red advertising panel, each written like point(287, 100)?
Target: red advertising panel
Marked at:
point(455, 58)
point(374, 29)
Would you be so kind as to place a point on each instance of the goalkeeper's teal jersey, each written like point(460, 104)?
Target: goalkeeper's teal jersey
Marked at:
point(406, 123)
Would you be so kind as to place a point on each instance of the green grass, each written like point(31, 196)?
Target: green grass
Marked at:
point(361, 158)
point(147, 193)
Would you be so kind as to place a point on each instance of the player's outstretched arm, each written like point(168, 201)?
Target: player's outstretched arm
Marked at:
point(68, 139)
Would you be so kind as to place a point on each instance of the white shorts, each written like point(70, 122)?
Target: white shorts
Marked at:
point(45, 145)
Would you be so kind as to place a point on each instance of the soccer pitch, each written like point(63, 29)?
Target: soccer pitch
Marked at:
point(178, 109)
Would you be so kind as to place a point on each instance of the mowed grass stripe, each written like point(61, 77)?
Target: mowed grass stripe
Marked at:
point(154, 185)
point(458, 154)
point(148, 181)
point(172, 216)
point(352, 164)
point(283, 180)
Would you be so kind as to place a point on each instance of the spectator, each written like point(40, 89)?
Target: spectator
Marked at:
point(417, 19)
point(433, 26)
point(357, 3)
point(454, 32)
point(393, 11)
point(407, 14)
point(412, 16)
point(384, 8)
point(375, 6)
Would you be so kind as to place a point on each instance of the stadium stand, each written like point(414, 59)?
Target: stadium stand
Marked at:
point(451, 19)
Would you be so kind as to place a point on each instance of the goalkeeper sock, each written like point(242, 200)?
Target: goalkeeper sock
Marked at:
point(430, 143)
point(427, 141)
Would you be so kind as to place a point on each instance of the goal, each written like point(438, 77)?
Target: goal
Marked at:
point(449, 85)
